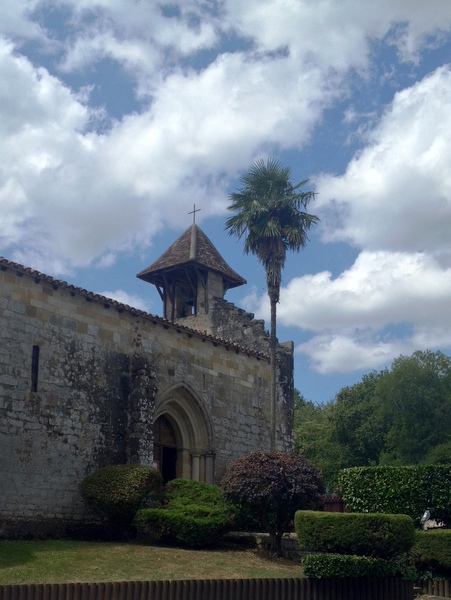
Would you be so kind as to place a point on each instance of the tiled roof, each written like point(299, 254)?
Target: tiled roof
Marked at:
point(192, 248)
point(120, 307)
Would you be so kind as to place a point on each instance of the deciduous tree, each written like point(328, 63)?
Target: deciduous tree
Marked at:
point(398, 416)
point(273, 485)
point(415, 397)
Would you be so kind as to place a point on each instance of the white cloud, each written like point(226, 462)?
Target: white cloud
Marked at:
point(330, 353)
point(363, 350)
point(351, 315)
point(126, 298)
point(335, 35)
point(16, 21)
point(72, 193)
point(141, 39)
point(67, 194)
point(63, 187)
point(397, 192)
point(380, 288)
point(385, 304)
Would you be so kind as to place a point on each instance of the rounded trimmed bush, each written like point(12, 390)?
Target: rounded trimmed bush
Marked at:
point(118, 491)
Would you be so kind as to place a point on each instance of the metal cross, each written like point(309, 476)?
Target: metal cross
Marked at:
point(193, 212)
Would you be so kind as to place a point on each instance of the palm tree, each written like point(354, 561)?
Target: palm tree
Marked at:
point(270, 213)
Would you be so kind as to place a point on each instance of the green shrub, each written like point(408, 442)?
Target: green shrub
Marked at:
point(117, 491)
point(374, 535)
point(432, 552)
point(194, 514)
point(183, 492)
point(246, 520)
point(339, 565)
point(190, 527)
point(398, 490)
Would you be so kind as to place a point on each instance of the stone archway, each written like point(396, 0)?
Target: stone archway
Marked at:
point(183, 435)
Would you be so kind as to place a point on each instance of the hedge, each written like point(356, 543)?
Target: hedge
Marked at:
point(324, 566)
point(398, 490)
point(432, 552)
point(373, 535)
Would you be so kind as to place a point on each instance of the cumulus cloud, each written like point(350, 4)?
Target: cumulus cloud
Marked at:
point(330, 353)
point(394, 203)
point(16, 22)
point(380, 288)
point(126, 298)
point(335, 35)
point(70, 193)
point(396, 193)
point(384, 305)
point(218, 84)
point(369, 349)
point(71, 189)
point(140, 40)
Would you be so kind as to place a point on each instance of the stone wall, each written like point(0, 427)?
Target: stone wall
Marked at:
point(82, 379)
point(230, 322)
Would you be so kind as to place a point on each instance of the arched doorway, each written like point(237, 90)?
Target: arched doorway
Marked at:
point(165, 448)
point(183, 438)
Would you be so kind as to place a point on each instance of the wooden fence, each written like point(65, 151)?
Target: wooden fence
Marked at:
point(334, 503)
point(437, 588)
point(218, 589)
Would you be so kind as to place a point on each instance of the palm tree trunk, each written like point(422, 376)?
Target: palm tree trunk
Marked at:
point(273, 365)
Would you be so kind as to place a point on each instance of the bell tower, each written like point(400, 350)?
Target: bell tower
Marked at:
point(188, 276)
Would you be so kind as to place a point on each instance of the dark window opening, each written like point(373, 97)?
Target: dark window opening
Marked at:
point(34, 368)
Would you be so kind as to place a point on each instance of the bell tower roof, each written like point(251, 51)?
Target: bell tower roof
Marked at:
point(192, 250)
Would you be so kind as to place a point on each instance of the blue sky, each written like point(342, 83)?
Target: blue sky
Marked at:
point(117, 116)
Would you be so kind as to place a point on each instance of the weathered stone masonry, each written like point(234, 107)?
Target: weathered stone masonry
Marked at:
point(83, 380)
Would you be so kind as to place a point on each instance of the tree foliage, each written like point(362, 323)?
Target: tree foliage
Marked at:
point(270, 213)
point(358, 421)
point(415, 398)
point(273, 485)
point(316, 440)
point(398, 416)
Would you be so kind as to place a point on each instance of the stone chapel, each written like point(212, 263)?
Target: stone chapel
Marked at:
point(86, 381)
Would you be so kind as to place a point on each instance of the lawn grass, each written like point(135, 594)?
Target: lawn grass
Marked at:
point(71, 562)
